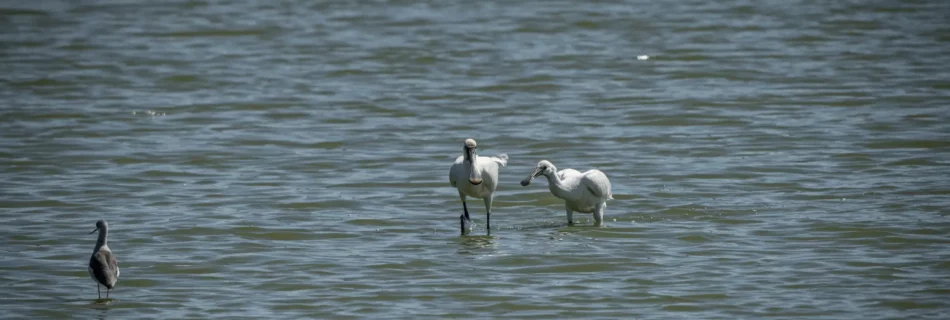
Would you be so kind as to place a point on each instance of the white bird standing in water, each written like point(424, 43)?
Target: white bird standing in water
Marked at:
point(586, 192)
point(103, 268)
point(475, 177)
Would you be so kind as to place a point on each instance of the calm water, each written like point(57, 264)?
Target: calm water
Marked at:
point(287, 159)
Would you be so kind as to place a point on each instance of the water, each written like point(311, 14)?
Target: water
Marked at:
point(290, 159)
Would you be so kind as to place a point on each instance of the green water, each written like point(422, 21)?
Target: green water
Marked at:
point(289, 159)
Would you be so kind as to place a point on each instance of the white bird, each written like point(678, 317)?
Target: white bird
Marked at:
point(476, 177)
point(586, 192)
point(103, 268)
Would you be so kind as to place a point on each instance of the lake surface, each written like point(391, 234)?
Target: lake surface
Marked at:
point(289, 159)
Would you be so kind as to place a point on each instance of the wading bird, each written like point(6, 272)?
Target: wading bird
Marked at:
point(586, 192)
point(103, 268)
point(476, 177)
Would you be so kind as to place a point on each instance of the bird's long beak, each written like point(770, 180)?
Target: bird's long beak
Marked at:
point(527, 181)
point(475, 176)
point(94, 231)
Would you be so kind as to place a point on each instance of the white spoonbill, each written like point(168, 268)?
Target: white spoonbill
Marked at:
point(586, 192)
point(475, 177)
point(103, 268)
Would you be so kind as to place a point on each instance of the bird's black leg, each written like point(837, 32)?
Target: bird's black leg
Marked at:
point(107, 292)
point(464, 219)
point(98, 292)
point(488, 222)
point(465, 207)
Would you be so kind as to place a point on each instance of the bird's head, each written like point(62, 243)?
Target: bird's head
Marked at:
point(544, 168)
point(470, 149)
point(100, 225)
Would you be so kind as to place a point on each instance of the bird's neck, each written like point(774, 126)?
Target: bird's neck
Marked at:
point(101, 242)
point(556, 185)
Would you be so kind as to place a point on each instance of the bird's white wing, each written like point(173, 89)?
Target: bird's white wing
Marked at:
point(569, 174)
point(597, 183)
point(501, 159)
point(456, 170)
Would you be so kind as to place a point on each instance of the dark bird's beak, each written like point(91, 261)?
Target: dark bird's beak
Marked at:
point(527, 181)
point(475, 176)
point(94, 231)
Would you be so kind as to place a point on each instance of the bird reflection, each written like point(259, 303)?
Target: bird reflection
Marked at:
point(103, 314)
point(475, 245)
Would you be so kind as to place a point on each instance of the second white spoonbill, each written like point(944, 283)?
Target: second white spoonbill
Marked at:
point(476, 177)
point(586, 192)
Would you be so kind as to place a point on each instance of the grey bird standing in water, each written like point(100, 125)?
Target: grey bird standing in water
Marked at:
point(103, 268)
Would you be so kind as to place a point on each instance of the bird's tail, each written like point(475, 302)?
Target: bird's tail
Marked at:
point(502, 159)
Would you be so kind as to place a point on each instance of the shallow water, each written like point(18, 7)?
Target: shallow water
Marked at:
point(290, 159)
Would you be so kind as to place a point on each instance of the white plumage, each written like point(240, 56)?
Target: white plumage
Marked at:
point(476, 177)
point(586, 192)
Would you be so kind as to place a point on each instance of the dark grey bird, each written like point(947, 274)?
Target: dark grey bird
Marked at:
point(103, 268)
